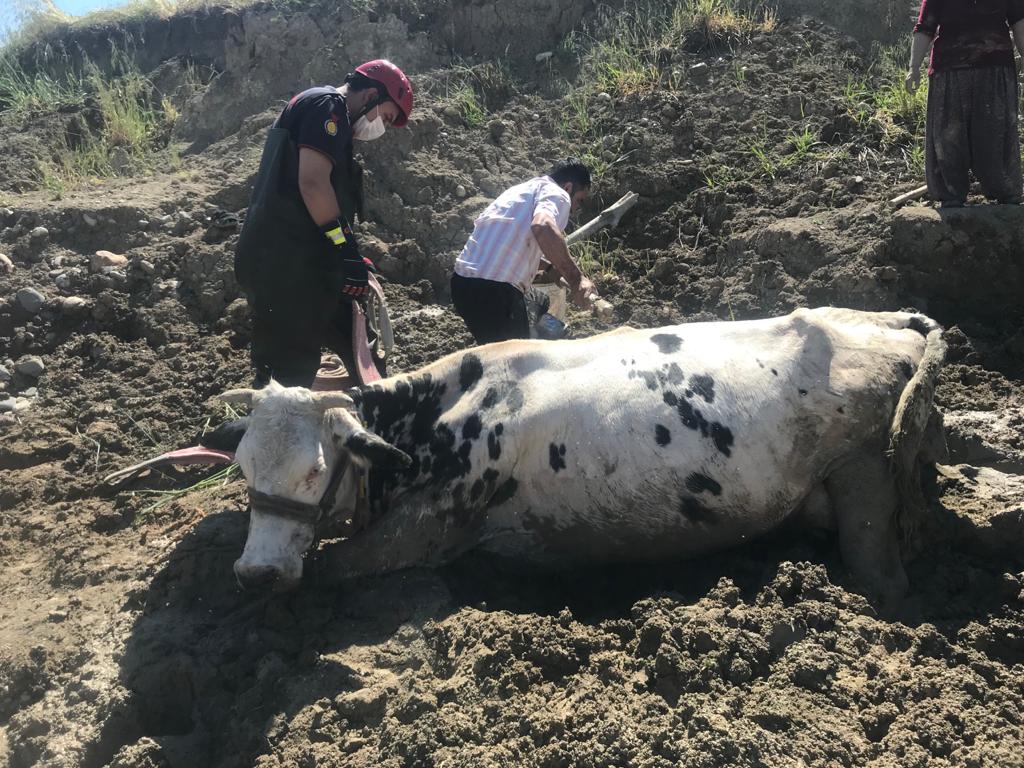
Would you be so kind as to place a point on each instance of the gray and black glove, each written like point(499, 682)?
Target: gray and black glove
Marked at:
point(345, 257)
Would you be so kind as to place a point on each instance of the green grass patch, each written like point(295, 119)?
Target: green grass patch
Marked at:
point(160, 499)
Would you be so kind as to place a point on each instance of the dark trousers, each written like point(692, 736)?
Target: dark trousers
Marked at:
point(496, 311)
point(287, 344)
point(972, 126)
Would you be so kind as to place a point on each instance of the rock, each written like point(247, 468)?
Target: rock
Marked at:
point(74, 305)
point(7, 405)
point(700, 71)
point(604, 310)
point(21, 404)
point(39, 234)
point(63, 281)
point(6, 265)
point(147, 267)
point(30, 392)
point(605, 97)
point(31, 366)
point(855, 182)
point(542, 57)
point(5, 375)
point(89, 220)
point(460, 191)
point(364, 704)
point(31, 300)
point(497, 129)
point(103, 259)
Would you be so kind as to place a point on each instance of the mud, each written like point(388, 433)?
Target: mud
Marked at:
point(124, 640)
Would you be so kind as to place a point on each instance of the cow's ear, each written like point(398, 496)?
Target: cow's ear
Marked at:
point(227, 436)
point(380, 454)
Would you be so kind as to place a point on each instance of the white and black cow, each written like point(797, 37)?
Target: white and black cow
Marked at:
point(635, 445)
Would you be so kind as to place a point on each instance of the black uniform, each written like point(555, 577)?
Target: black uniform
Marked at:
point(288, 269)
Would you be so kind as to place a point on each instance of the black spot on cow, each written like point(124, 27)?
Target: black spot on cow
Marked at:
point(662, 435)
point(404, 415)
point(490, 398)
point(667, 342)
point(623, 361)
point(698, 482)
point(704, 386)
point(774, 372)
point(477, 489)
point(472, 428)
point(490, 476)
point(670, 399)
point(723, 438)
point(673, 373)
point(504, 492)
point(499, 429)
point(493, 445)
point(693, 419)
point(529, 362)
point(906, 369)
point(840, 409)
point(470, 371)
point(649, 379)
point(694, 511)
point(556, 456)
point(803, 392)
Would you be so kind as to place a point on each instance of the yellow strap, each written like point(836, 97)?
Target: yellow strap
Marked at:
point(335, 235)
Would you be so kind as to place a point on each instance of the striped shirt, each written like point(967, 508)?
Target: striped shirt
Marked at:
point(502, 247)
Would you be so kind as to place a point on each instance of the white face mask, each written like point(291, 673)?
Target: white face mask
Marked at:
point(368, 130)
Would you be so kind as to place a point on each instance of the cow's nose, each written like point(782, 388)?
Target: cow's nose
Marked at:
point(256, 576)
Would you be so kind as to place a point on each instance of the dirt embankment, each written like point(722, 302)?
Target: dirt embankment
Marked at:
point(123, 638)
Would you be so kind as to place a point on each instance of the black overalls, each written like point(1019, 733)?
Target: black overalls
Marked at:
point(284, 264)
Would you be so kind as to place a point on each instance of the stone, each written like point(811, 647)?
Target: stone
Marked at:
point(7, 405)
point(31, 366)
point(542, 57)
point(30, 392)
point(74, 305)
point(497, 129)
point(39, 233)
point(147, 267)
point(30, 300)
point(5, 375)
point(700, 71)
point(460, 191)
point(63, 281)
point(6, 265)
point(89, 220)
point(104, 259)
point(604, 310)
point(604, 96)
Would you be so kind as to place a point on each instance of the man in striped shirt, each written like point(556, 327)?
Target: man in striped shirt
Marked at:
point(495, 270)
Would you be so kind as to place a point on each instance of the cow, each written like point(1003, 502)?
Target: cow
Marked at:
point(633, 445)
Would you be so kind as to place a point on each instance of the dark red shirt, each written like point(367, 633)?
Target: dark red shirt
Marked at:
point(969, 33)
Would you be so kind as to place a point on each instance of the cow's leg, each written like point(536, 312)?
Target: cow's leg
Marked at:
point(864, 502)
point(393, 543)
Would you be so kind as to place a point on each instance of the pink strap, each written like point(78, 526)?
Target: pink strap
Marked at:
point(367, 371)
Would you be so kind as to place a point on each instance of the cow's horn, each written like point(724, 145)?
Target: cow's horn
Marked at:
point(237, 396)
point(327, 400)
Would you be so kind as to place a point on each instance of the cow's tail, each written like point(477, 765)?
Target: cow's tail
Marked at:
point(908, 428)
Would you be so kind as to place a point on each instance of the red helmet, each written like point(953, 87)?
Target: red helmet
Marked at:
point(395, 83)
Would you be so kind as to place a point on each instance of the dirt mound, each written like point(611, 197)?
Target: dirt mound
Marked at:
point(761, 171)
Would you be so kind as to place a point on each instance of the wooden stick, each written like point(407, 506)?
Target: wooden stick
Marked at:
point(609, 217)
point(906, 197)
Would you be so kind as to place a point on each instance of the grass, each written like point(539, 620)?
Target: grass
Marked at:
point(465, 100)
point(593, 256)
point(625, 52)
point(218, 479)
point(121, 124)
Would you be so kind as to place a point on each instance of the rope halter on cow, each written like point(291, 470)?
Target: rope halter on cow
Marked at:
point(304, 512)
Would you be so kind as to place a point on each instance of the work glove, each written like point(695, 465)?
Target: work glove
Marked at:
point(345, 256)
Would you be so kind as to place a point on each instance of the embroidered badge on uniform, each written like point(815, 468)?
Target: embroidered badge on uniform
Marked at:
point(331, 127)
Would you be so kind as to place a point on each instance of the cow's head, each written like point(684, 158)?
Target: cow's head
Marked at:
point(302, 454)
